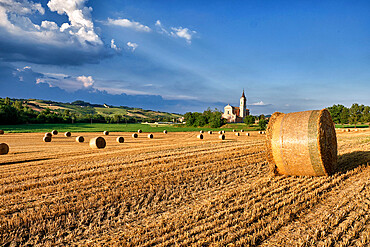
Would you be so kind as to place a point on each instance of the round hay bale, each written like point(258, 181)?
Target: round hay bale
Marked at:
point(223, 132)
point(164, 131)
point(134, 135)
point(106, 133)
point(234, 130)
point(210, 132)
point(80, 139)
point(247, 134)
point(1, 132)
point(200, 136)
point(47, 139)
point(237, 134)
point(54, 132)
point(48, 134)
point(241, 130)
point(120, 139)
point(150, 136)
point(302, 143)
point(348, 130)
point(4, 148)
point(139, 131)
point(98, 142)
point(220, 132)
point(67, 134)
point(201, 131)
point(222, 137)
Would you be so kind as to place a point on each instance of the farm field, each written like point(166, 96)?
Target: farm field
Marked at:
point(177, 190)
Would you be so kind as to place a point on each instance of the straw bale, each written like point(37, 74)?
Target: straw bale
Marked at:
point(241, 130)
point(47, 139)
point(134, 135)
point(201, 131)
point(80, 139)
point(220, 132)
point(302, 143)
point(150, 136)
point(237, 134)
point(165, 131)
point(106, 133)
point(247, 134)
point(67, 134)
point(54, 132)
point(234, 130)
point(222, 137)
point(4, 148)
point(139, 131)
point(210, 132)
point(1, 132)
point(200, 136)
point(48, 134)
point(98, 142)
point(120, 139)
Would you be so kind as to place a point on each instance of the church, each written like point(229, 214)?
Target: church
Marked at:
point(235, 114)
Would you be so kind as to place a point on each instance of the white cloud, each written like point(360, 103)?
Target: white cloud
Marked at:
point(129, 24)
point(259, 103)
point(114, 46)
point(87, 81)
point(49, 25)
point(184, 33)
point(133, 46)
point(161, 28)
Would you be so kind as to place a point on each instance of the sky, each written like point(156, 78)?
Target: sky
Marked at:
point(180, 56)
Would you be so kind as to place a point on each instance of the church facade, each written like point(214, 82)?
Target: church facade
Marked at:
point(235, 114)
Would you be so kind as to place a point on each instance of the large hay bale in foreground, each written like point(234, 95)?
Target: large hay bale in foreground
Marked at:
point(1, 132)
point(134, 135)
point(120, 139)
point(47, 138)
point(4, 148)
point(98, 142)
point(80, 139)
point(200, 136)
point(67, 134)
point(106, 133)
point(150, 136)
point(302, 143)
point(54, 132)
point(222, 137)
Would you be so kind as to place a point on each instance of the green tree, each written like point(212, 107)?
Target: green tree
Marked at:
point(344, 116)
point(249, 120)
point(262, 124)
point(354, 114)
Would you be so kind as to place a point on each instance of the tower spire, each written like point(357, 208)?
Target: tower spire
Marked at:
point(243, 94)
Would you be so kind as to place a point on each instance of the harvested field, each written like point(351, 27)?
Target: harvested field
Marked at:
point(177, 190)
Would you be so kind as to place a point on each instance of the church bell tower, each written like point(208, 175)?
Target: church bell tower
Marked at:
point(243, 106)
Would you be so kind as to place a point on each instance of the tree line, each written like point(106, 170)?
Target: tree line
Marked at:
point(15, 112)
point(352, 115)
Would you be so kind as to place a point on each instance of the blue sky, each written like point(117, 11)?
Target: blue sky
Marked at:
point(183, 56)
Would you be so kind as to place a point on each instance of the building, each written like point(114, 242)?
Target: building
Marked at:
point(235, 114)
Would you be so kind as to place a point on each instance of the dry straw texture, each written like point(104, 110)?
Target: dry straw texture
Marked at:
point(302, 143)
point(54, 132)
point(120, 139)
point(1, 132)
point(80, 139)
point(134, 135)
point(97, 142)
point(106, 133)
point(222, 137)
point(67, 134)
point(200, 136)
point(47, 139)
point(4, 148)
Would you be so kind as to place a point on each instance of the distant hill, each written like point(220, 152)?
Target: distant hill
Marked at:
point(84, 108)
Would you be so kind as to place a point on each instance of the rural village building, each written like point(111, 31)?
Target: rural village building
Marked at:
point(236, 114)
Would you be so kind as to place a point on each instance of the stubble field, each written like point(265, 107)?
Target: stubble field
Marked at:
point(177, 190)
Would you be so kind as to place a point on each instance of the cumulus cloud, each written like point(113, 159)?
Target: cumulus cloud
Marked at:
point(74, 42)
point(87, 81)
point(114, 46)
point(177, 32)
point(128, 24)
point(259, 103)
point(133, 46)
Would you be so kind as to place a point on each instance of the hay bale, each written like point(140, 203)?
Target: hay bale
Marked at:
point(47, 139)
point(54, 132)
point(222, 137)
point(234, 130)
point(200, 136)
point(237, 134)
point(106, 133)
point(134, 135)
point(210, 132)
point(120, 139)
point(139, 131)
point(220, 132)
point(48, 134)
point(150, 136)
point(1, 132)
point(201, 131)
point(223, 132)
point(67, 134)
point(241, 130)
point(98, 142)
point(247, 134)
point(80, 139)
point(302, 143)
point(348, 130)
point(4, 148)
point(164, 131)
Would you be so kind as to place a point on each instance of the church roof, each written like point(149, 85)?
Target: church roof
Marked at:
point(243, 95)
